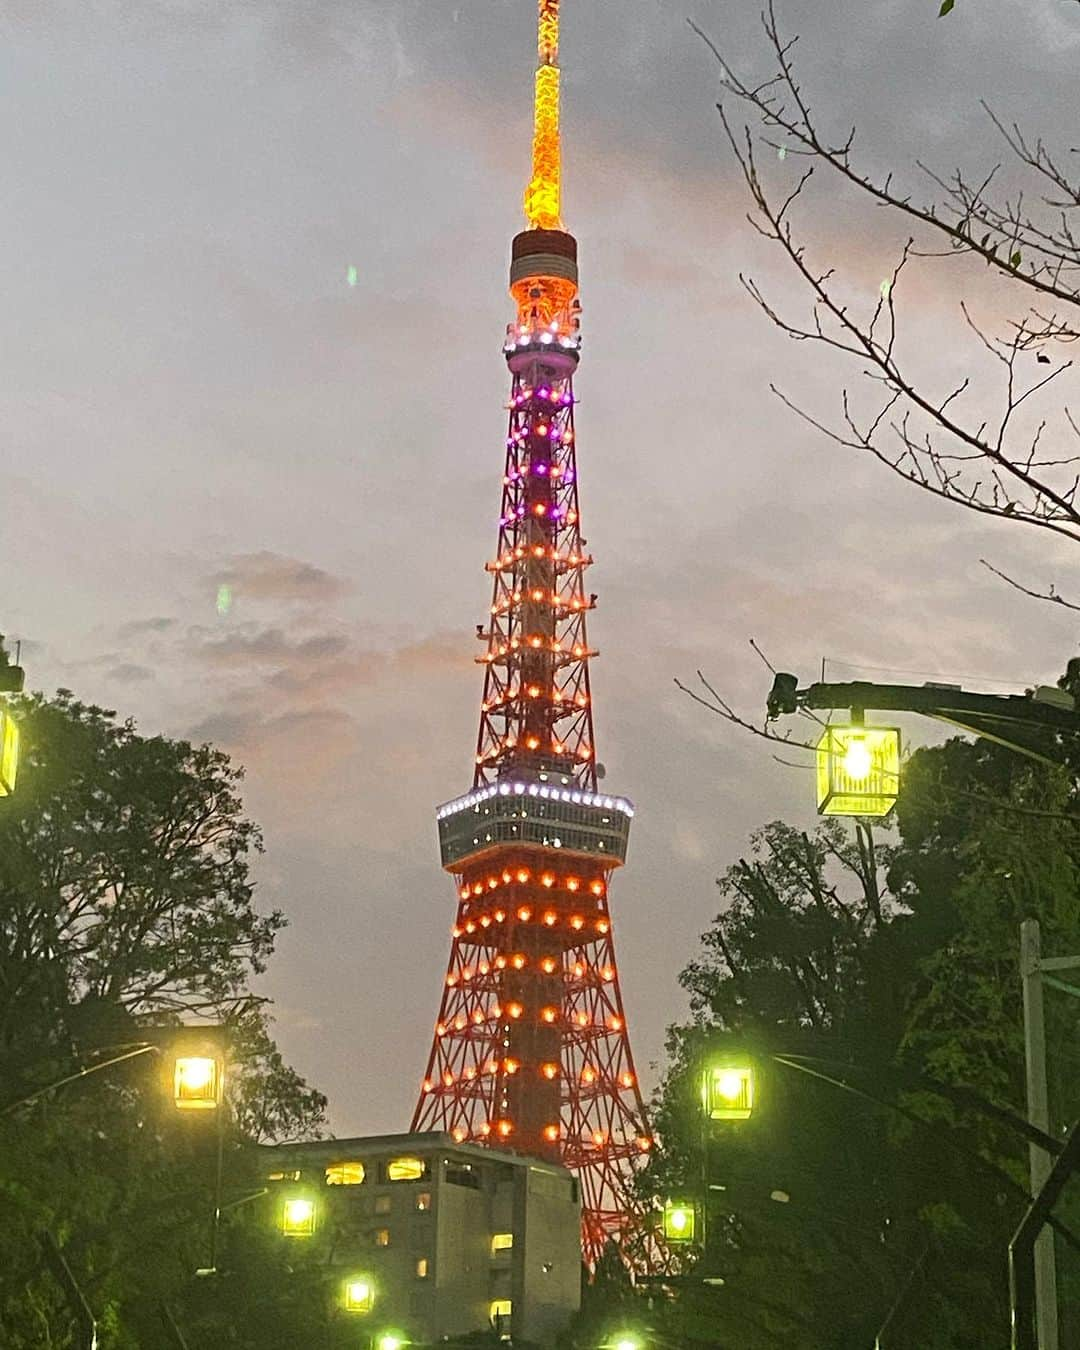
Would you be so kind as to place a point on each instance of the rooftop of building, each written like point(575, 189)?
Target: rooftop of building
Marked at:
point(428, 1141)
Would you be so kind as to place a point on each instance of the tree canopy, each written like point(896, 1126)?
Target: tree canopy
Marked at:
point(127, 907)
point(874, 956)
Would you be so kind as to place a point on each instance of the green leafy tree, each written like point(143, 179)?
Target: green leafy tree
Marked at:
point(829, 1211)
point(126, 907)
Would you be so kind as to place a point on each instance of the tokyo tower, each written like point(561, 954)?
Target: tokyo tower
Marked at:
point(531, 1051)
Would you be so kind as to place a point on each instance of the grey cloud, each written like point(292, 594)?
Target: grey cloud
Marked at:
point(266, 646)
point(272, 576)
point(139, 627)
point(129, 673)
point(228, 727)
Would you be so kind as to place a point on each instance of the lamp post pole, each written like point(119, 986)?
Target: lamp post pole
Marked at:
point(1022, 1246)
point(1039, 1114)
point(219, 1169)
point(1035, 972)
point(72, 1292)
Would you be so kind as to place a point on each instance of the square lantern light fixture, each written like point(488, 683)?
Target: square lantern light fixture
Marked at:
point(298, 1215)
point(197, 1082)
point(680, 1221)
point(727, 1091)
point(359, 1294)
point(9, 752)
point(193, 1065)
point(858, 770)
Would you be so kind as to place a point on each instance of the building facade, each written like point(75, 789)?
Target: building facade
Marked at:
point(430, 1239)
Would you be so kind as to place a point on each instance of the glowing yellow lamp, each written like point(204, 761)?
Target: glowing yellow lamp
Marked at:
point(680, 1221)
point(359, 1295)
point(197, 1083)
point(727, 1092)
point(858, 770)
point(9, 752)
point(298, 1216)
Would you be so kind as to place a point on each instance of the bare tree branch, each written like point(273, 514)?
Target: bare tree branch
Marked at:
point(1050, 594)
point(927, 438)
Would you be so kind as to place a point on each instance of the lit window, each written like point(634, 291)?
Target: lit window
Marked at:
point(382, 1204)
point(283, 1176)
point(382, 1237)
point(500, 1307)
point(345, 1174)
point(406, 1169)
point(502, 1242)
point(422, 1268)
point(423, 1201)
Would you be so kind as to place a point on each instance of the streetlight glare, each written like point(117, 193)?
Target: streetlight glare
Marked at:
point(627, 1343)
point(858, 760)
point(298, 1216)
point(727, 1091)
point(196, 1083)
point(9, 753)
point(390, 1342)
point(729, 1085)
point(680, 1222)
point(358, 1295)
point(858, 770)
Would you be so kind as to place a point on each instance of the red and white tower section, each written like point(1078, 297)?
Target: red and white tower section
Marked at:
point(531, 1050)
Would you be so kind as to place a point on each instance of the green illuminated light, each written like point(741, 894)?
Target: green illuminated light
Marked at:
point(359, 1295)
point(9, 753)
point(680, 1221)
point(727, 1092)
point(858, 770)
point(298, 1216)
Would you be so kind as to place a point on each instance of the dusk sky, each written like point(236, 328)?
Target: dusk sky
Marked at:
point(194, 396)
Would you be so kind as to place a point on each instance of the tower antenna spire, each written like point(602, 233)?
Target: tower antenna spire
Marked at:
point(543, 196)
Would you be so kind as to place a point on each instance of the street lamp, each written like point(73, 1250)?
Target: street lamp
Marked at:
point(298, 1216)
point(390, 1340)
point(359, 1295)
point(9, 752)
point(194, 1065)
point(626, 1343)
point(11, 682)
point(680, 1221)
point(727, 1091)
point(858, 770)
point(858, 766)
point(198, 1081)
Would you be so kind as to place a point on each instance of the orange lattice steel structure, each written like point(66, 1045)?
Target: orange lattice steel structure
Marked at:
point(531, 1049)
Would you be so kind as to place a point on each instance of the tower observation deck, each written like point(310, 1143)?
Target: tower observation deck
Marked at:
point(531, 1050)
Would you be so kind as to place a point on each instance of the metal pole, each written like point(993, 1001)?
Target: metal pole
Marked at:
point(879, 1339)
point(171, 1327)
point(1022, 1246)
point(75, 1298)
point(215, 1218)
point(1046, 1312)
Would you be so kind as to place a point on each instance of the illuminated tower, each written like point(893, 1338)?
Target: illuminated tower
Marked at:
point(531, 1050)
